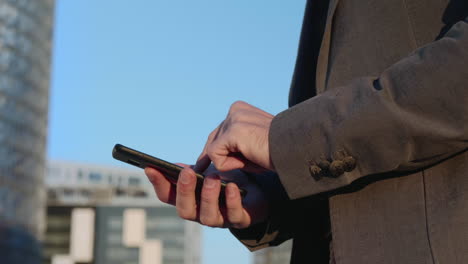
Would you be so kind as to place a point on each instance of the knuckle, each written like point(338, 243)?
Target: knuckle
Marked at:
point(212, 135)
point(238, 121)
point(234, 215)
point(236, 105)
point(208, 220)
point(230, 206)
point(236, 117)
point(207, 199)
point(184, 190)
point(237, 131)
point(218, 162)
point(183, 213)
point(160, 196)
point(211, 152)
point(235, 220)
point(153, 180)
point(162, 199)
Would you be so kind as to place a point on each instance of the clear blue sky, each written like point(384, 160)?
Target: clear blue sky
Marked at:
point(160, 75)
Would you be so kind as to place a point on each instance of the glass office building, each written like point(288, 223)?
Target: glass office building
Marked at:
point(25, 52)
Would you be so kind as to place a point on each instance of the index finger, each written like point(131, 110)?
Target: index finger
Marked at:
point(204, 160)
point(203, 163)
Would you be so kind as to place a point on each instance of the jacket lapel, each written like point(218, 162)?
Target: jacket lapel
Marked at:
point(322, 61)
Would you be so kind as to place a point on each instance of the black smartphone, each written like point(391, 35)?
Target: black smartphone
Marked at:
point(170, 170)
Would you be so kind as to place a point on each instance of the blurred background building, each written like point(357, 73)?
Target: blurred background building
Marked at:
point(274, 255)
point(25, 55)
point(98, 214)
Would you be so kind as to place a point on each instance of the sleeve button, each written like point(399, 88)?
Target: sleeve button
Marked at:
point(337, 168)
point(349, 163)
point(324, 165)
point(315, 171)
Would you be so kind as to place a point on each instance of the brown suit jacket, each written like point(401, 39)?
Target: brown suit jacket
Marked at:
point(376, 134)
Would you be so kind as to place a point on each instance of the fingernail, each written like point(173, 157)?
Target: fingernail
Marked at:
point(184, 178)
point(209, 182)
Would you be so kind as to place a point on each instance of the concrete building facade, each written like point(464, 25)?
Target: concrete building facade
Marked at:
point(274, 255)
point(100, 214)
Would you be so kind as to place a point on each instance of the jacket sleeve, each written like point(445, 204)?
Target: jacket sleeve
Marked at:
point(275, 230)
point(413, 115)
point(287, 219)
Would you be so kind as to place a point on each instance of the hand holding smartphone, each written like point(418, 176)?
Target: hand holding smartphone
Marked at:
point(170, 170)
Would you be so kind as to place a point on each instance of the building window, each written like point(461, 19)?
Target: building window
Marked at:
point(132, 181)
point(68, 192)
point(80, 175)
point(95, 177)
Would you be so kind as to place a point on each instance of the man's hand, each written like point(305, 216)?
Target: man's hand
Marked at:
point(204, 207)
point(239, 142)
